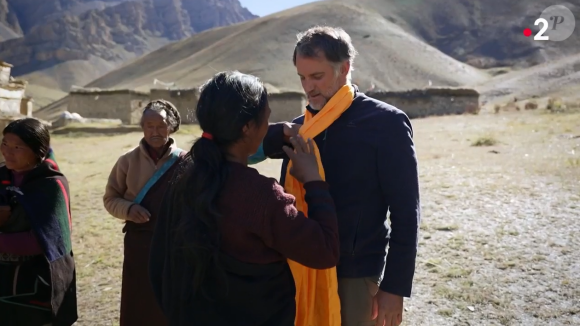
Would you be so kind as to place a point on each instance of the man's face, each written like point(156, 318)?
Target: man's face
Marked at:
point(319, 78)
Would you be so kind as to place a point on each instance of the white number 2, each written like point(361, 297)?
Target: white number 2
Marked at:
point(540, 36)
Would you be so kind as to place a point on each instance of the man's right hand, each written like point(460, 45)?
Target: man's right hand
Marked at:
point(290, 130)
point(138, 214)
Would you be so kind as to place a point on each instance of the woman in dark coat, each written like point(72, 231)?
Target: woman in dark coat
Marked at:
point(135, 186)
point(225, 232)
point(37, 268)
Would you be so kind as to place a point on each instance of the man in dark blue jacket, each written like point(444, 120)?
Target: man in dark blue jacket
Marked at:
point(370, 163)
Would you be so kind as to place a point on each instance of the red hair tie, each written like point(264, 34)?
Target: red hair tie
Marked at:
point(207, 135)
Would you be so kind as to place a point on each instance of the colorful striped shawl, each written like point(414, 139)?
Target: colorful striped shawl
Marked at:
point(44, 195)
point(45, 198)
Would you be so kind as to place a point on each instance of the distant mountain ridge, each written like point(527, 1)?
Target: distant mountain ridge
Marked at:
point(482, 33)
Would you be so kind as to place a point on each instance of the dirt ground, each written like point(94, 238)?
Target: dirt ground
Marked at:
point(499, 240)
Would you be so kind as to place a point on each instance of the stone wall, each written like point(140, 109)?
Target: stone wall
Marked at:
point(125, 105)
point(10, 99)
point(137, 106)
point(26, 106)
point(185, 100)
point(431, 101)
point(286, 106)
point(5, 69)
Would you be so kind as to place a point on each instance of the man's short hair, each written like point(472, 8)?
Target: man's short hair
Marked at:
point(332, 43)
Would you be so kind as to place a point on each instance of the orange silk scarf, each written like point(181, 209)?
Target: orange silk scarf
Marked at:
point(317, 301)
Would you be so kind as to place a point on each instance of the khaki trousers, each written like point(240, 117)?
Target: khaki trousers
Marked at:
point(356, 300)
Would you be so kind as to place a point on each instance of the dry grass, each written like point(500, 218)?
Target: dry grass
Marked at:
point(552, 104)
point(531, 105)
point(485, 141)
point(498, 243)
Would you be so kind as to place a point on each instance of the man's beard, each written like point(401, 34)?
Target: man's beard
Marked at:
point(319, 107)
point(327, 97)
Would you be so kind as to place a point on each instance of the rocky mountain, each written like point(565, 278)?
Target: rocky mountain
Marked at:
point(59, 43)
point(20, 16)
point(9, 24)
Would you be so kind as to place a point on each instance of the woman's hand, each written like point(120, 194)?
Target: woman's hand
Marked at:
point(138, 214)
point(4, 214)
point(304, 165)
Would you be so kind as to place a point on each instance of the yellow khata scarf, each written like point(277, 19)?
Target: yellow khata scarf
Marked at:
point(317, 302)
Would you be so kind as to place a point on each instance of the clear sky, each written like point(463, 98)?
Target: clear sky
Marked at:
point(266, 7)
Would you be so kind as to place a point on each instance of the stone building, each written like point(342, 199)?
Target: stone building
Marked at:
point(127, 105)
point(286, 106)
point(13, 101)
point(5, 70)
point(123, 104)
point(419, 103)
point(185, 100)
point(26, 106)
point(14, 104)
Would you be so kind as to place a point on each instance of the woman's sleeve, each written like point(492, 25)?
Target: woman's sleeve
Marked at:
point(116, 187)
point(312, 241)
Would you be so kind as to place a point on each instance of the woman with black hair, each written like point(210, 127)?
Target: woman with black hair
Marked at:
point(133, 194)
point(225, 232)
point(37, 269)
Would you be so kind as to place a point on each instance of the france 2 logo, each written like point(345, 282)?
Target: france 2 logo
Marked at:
point(557, 23)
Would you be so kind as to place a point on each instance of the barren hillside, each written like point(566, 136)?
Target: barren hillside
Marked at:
point(489, 34)
point(390, 57)
point(483, 33)
point(557, 78)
